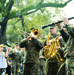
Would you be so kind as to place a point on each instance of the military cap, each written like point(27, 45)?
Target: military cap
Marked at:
point(52, 26)
point(16, 44)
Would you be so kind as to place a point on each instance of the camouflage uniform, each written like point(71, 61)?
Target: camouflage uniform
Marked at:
point(53, 64)
point(23, 54)
point(42, 64)
point(15, 59)
point(32, 47)
point(69, 49)
point(61, 65)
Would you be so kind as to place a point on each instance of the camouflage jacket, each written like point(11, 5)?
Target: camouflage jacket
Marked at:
point(69, 39)
point(32, 47)
point(16, 57)
point(23, 54)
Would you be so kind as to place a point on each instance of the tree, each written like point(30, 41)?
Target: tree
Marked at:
point(6, 12)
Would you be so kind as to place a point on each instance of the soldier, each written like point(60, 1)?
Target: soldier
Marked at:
point(15, 59)
point(69, 48)
point(52, 63)
point(33, 46)
point(23, 54)
point(42, 63)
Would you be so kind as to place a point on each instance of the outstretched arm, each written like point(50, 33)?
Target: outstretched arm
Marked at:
point(68, 27)
point(23, 43)
point(63, 33)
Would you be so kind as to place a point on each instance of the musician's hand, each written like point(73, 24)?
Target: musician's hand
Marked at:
point(59, 26)
point(48, 43)
point(57, 47)
point(65, 20)
point(41, 57)
point(60, 37)
point(29, 37)
point(33, 37)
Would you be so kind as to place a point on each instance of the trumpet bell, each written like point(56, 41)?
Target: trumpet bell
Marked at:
point(35, 32)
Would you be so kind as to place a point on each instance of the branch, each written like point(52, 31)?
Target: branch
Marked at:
point(41, 1)
point(17, 21)
point(27, 13)
point(2, 7)
point(9, 5)
point(22, 21)
point(3, 1)
point(67, 2)
point(32, 7)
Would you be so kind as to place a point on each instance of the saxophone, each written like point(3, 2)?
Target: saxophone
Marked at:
point(50, 51)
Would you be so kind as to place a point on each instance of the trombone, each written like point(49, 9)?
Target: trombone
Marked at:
point(23, 32)
point(34, 32)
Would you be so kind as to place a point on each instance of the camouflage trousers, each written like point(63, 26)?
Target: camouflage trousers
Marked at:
point(51, 68)
point(31, 69)
point(22, 69)
point(61, 69)
point(14, 68)
point(42, 70)
point(1, 70)
point(42, 67)
point(70, 66)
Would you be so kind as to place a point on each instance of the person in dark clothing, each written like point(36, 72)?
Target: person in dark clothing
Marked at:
point(69, 46)
point(32, 46)
point(8, 69)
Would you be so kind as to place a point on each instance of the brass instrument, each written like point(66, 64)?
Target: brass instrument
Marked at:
point(23, 32)
point(35, 32)
point(50, 52)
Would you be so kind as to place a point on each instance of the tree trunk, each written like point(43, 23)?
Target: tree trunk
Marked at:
point(4, 23)
point(3, 38)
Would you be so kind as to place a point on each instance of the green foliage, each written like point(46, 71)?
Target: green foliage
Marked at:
point(34, 13)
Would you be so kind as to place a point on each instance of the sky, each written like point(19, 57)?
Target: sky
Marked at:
point(69, 10)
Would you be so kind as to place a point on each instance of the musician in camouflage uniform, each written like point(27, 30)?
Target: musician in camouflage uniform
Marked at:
point(69, 48)
point(32, 46)
point(42, 63)
point(61, 70)
point(53, 64)
point(15, 59)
